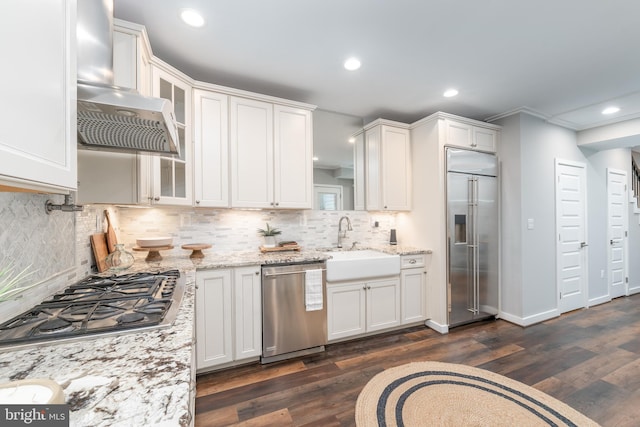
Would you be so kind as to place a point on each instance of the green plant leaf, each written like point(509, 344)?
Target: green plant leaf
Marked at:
point(9, 282)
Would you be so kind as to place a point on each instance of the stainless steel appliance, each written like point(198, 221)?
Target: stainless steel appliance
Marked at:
point(99, 305)
point(294, 310)
point(472, 235)
point(110, 117)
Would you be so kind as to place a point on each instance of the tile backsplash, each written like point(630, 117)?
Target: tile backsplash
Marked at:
point(56, 246)
point(236, 230)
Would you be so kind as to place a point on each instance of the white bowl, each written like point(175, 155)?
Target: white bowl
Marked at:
point(154, 242)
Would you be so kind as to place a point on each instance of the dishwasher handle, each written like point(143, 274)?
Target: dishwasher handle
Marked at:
point(289, 272)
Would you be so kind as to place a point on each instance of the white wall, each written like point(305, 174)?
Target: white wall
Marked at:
point(511, 217)
point(599, 162)
point(529, 291)
point(528, 152)
point(541, 143)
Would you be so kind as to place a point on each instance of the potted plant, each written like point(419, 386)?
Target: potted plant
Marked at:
point(269, 235)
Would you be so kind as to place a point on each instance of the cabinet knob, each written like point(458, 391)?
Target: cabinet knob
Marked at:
point(157, 198)
point(197, 202)
point(277, 204)
point(364, 287)
point(257, 273)
point(368, 287)
point(385, 207)
point(412, 261)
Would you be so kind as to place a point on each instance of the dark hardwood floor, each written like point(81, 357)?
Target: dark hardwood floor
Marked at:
point(589, 359)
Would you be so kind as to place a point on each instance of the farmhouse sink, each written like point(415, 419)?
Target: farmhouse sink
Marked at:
point(361, 264)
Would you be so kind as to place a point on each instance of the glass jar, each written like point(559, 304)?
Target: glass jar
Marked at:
point(119, 259)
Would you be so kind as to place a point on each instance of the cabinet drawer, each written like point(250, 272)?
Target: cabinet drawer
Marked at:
point(412, 261)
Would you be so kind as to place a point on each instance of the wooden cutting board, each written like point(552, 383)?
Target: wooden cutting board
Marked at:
point(100, 251)
point(111, 233)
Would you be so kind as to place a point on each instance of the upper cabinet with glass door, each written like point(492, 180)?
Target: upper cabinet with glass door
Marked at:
point(171, 176)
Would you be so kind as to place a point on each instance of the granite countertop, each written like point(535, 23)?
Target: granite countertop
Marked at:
point(144, 378)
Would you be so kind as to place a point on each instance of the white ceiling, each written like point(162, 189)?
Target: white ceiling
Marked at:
point(561, 59)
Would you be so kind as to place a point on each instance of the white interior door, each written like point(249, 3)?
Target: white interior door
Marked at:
point(572, 239)
point(617, 231)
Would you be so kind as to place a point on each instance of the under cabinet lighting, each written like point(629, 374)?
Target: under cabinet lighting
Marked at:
point(192, 17)
point(610, 110)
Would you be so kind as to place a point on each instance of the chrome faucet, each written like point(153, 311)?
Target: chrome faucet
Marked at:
point(341, 233)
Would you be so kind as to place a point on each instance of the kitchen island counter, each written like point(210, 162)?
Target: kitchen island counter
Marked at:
point(144, 378)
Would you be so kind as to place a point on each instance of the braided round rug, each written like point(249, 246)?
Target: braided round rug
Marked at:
point(445, 394)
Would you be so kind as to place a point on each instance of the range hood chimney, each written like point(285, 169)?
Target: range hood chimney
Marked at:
point(110, 117)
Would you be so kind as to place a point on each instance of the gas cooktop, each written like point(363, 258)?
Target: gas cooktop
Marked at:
point(99, 305)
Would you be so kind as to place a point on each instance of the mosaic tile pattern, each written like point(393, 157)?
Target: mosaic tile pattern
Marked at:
point(58, 247)
point(31, 237)
point(236, 230)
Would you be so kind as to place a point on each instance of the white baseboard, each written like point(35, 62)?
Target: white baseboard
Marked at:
point(443, 329)
point(530, 320)
point(600, 300)
point(633, 290)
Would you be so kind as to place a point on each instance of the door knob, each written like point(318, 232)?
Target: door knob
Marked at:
point(584, 244)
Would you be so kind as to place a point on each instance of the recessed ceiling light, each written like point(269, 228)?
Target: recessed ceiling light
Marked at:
point(192, 17)
point(352, 140)
point(610, 110)
point(315, 158)
point(450, 92)
point(352, 64)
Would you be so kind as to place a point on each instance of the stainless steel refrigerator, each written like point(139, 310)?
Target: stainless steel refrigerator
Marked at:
point(472, 235)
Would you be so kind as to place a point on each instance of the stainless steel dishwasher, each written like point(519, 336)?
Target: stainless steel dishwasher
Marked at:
point(294, 310)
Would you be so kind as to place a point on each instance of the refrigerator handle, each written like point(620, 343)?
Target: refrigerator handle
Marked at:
point(471, 281)
point(476, 251)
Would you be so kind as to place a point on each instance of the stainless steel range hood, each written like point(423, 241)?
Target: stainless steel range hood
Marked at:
point(110, 117)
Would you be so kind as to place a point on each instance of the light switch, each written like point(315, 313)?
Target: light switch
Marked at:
point(530, 224)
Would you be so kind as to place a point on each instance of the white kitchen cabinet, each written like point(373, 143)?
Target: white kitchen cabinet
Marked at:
point(383, 304)
point(251, 143)
point(358, 172)
point(293, 158)
point(120, 177)
point(359, 307)
point(413, 288)
point(172, 177)
point(466, 135)
point(38, 104)
point(271, 155)
point(211, 149)
point(346, 310)
point(214, 318)
point(228, 316)
point(247, 296)
point(387, 166)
